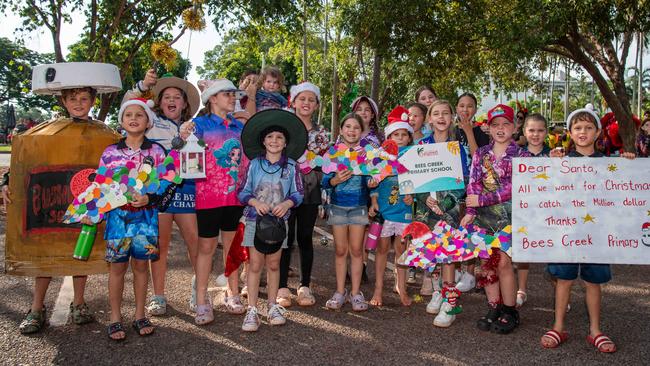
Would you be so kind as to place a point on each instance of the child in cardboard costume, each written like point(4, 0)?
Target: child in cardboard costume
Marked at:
point(44, 160)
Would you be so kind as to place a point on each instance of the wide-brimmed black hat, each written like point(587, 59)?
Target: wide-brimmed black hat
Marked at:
point(270, 233)
point(261, 121)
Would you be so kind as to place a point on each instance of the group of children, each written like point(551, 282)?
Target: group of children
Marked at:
point(252, 176)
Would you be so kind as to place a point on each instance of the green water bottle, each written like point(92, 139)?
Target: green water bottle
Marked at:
point(85, 242)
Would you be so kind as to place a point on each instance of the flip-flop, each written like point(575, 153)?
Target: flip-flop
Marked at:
point(557, 338)
point(114, 328)
point(601, 340)
point(140, 324)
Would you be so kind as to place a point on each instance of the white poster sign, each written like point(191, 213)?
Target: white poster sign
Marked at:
point(581, 210)
point(431, 168)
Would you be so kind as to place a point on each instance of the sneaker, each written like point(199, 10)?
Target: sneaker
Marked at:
point(427, 286)
point(466, 283)
point(34, 321)
point(284, 297)
point(411, 277)
point(234, 305)
point(81, 314)
point(433, 307)
point(444, 319)
point(251, 321)
point(193, 295)
point(305, 297)
point(157, 305)
point(204, 314)
point(275, 316)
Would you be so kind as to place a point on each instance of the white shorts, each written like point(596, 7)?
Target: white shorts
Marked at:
point(391, 228)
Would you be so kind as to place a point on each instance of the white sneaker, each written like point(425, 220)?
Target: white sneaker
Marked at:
point(251, 321)
point(444, 320)
point(466, 283)
point(433, 307)
point(457, 275)
point(427, 286)
point(275, 315)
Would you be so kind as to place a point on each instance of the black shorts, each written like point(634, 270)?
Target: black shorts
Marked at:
point(211, 220)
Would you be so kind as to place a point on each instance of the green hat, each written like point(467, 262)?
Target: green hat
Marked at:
point(251, 135)
point(169, 81)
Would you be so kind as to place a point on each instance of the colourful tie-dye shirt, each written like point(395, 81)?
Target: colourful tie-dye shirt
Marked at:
point(224, 160)
point(491, 176)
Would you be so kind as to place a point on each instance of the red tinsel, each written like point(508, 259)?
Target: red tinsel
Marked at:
point(237, 254)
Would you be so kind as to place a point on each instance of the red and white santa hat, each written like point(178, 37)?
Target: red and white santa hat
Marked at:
point(146, 104)
point(398, 119)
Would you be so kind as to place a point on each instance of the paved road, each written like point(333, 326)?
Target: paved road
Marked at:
point(5, 159)
point(315, 336)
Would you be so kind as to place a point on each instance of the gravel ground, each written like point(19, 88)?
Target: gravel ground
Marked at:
point(315, 336)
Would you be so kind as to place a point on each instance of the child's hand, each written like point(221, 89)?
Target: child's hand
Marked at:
point(471, 200)
point(281, 209)
point(372, 183)
point(465, 125)
point(6, 193)
point(408, 199)
point(628, 155)
point(341, 176)
point(433, 205)
point(260, 207)
point(249, 85)
point(558, 152)
point(467, 219)
point(374, 208)
point(150, 79)
point(140, 200)
point(186, 129)
point(86, 221)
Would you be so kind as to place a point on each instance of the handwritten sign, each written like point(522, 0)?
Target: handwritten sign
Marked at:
point(431, 168)
point(581, 210)
point(48, 196)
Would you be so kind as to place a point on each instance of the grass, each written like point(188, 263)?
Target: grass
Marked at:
point(5, 148)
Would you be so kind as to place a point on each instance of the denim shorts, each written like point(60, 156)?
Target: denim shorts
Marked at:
point(592, 273)
point(341, 215)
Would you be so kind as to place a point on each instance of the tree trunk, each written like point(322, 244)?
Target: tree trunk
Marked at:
point(334, 127)
point(376, 75)
point(304, 44)
point(106, 101)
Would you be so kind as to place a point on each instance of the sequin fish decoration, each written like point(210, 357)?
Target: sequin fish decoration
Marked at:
point(378, 163)
point(112, 188)
point(446, 244)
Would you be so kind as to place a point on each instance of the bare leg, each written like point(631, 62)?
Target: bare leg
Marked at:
point(204, 267)
point(40, 289)
point(233, 279)
point(593, 298)
point(115, 293)
point(341, 252)
point(190, 232)
point(273, 275)
point(522, 276)
point(507, 282)
point(381, 257)
point(355, 240)
point(79, 287)
point(159, 267)
point(562, 295)
point(401, 272)
point(253, 279)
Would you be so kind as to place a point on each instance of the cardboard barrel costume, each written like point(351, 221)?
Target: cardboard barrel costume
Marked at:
point(43, 162)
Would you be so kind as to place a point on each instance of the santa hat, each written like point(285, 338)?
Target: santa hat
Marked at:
point(146, 104)
point(645, 226)
point(589, 108)
point(303, 87)
point(398, 119)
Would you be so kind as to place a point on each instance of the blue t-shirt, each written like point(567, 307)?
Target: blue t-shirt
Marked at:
point(351, 193)
point(391, 203)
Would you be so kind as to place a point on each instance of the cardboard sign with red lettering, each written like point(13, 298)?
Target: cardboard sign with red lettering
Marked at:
point(581, 210)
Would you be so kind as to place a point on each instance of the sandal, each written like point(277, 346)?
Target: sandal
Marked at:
point(305, 297)
point(204, 314)
point(485, 323)
point(522, 297)
point(81, 314)
point(140, 324)
point(506, 323)
point(114, 328)
point(337, 301)
point(358, 302)
point(34, 321)
point(601, 340)
point(284, 297)
point(556, 338)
